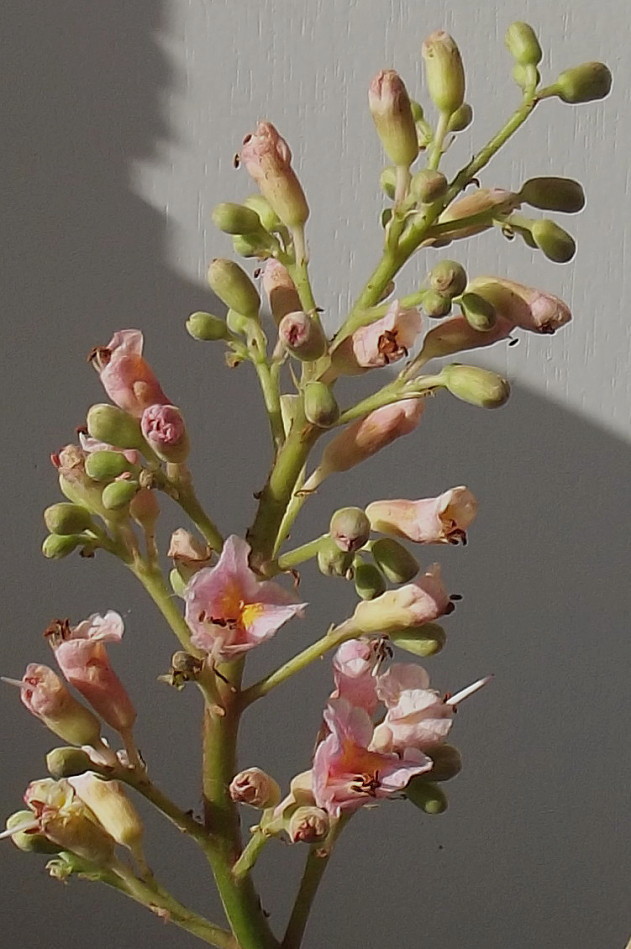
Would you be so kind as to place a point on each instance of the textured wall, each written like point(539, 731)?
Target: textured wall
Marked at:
point(122, 119)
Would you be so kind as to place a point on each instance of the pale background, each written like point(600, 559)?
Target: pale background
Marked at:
point(121, 126)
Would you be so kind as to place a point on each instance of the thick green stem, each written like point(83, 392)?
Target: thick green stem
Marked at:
point(250, 854)
point(183, 820)
point(153, 582)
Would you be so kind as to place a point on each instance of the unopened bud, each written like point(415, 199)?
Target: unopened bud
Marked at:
point(485, 201)
point(388, 181)
point(554, 194)
point(332, 561)
point(320, 404)
point(67, 762)
point(109, 424)
point(256, 788)
point(56, 546)
point(526, 77)
point(29, 841)
point(164, 428)
point(394, 560)
point(236, 218)
point(106, 465)
point(308, 824)
point(426, 796)
point(267, 158)
point(478, 312)
point(302, 336)
point(369, 581)
point(444, 72)
point(555, 243)
point(523, 45)
point(261, 245)
point(448, 277)
point(424, 640)
point(461, 119)
point(436, 304)
point(584, 83)
point(112, 808)
point(233, 287)
point(280, 289)
point(206, 327)
point(447, 762)
point(475, 385)
point(178, 584)
point(119, 494)
point(268, 218)
point(427, 185)
point(66, 518)
point(349, 528)
point(392, 114)
point(456, 335)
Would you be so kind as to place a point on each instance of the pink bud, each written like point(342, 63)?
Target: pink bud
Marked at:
point(527, 307)
point(354, 665)
point(267, 159)
point(457, 335)
point(163, 427)
point(441, 520)
point(280, 289)
point(254, 787)
point(491, 201)
point(126, 376)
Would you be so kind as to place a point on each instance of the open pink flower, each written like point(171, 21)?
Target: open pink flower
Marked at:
point(441, 520)
point(82, 657)
point(417, 716)
point(414, 604)
point(126, 376)
point(346, 774)
point(229, 610)
point(354, 665)
point(380, 343)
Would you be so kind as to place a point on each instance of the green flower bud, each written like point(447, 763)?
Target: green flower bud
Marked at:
point(320, 405)
point(119, 494)
point(391, 111)
point(424, 640)
point(478, 312)
point(369, 581)
point(349, 528)
point(523, 45)
point(106, 465)
point(583, 83)
point(436, 304)
point(268, 218)
point(526, 77)
point(108, 423)
point(233, 287)
point(447, 762)
point(29, 842)
point(555, 243)
point(56, 546)
point(461, 119)
point(68, 762)
point(425, 795)
point(178, 584)
point(237, 323)
point(236, 218)
point(388, 181)
point(448, 277)
point(206, 327)
point(475, 385)
point(332, 561)
point(444, 72)
point(554, 194)
point(394, 560)
point(65, 518)
point(427, 185)
point(254, 245)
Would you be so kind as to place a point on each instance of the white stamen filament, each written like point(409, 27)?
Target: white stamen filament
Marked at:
point(17, 682)
point(469, 690)
point(19, 828)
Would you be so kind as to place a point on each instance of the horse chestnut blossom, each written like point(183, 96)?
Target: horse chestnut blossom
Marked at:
point(414, 604)
point(441, 520)
point(229, 610)
point(126, 376)
point(380, 343)
point(354, 666)
point(267, 158)
point(416, 717)
point(163, 427)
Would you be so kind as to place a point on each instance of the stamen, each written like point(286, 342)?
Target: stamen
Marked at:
point(469, 690)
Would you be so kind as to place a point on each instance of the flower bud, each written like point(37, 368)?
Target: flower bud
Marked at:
point(456, 335)
point(388, 181)
point(435, 304)
point(108, 423)
point(583, 83)
point(65, 518)
point(106, 465)
point(444, 72)
point(410, 606)
point(67, 762)
point(526, 307)
point(256, 788)
point(302, 336)
point(27, 840)
point(349, 528)
point(489, 201)
point(236, 218)
point(267, 158)
point(475, 385)
point(320, 405)
point(478, 312)
point(427, 185)
point(280, 289)
point(332, 561)
point(188, 553)
point(555, 243)
point(56, 546)
point(461, 119)
point(233, 287)
point(178, 584)
point(308, 824)
point(369, 581)
point(268, 218)
point(424, 640)
point(391, 111)
point(426, 796)
point(526, 77)
point(448, 277)
point(119, 494)
point(261, 245)
point(523, 45)
point(111, 806)
point(553, 194)
point(206, 327)
point(447, 762)
point(163, 427)
point(394, 560)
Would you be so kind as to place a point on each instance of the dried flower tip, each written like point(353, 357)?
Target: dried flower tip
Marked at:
point(302, 335)
point(308, 825)
point(256, 788)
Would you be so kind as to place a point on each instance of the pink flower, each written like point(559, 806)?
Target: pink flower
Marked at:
point(267, 158)
point(527, 307)
point(346, 774)
point(417, 716)
point(414, 604)
point(163, 427)
point(457, 335)
point(126, 376)
point(229, 610)
point(280, 289)
point(354, 665)
point(380, 343)
point(82, 657)
point(441, 520)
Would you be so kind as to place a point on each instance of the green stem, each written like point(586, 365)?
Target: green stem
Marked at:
point(269, 382)
point(250, 854)
point(436, 152)
point(183, 820)
point(393, 392)
point(305, 552)
point(153, 582)
point(184, 494)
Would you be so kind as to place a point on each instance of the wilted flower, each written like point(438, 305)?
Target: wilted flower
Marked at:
point(380, 343)
point(441, 520)
point(126, 376)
